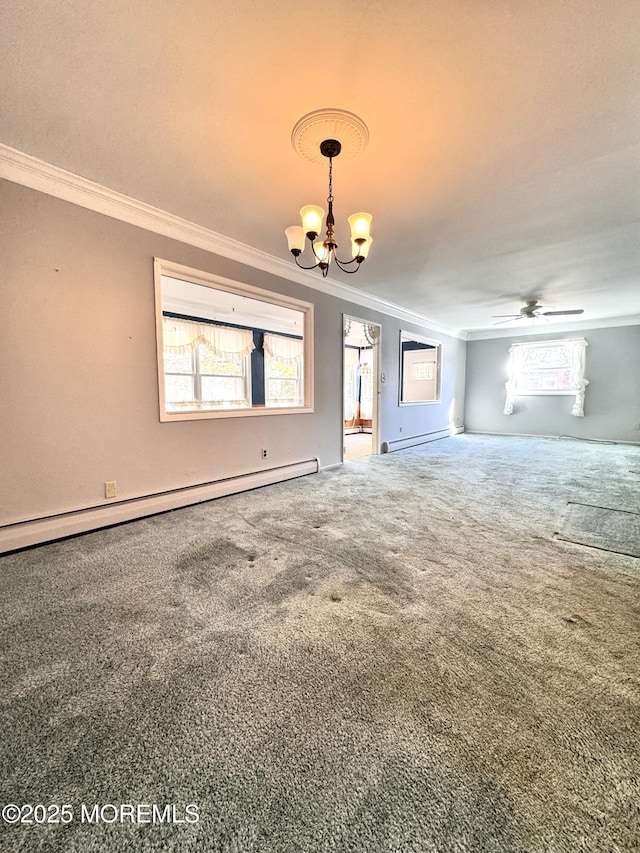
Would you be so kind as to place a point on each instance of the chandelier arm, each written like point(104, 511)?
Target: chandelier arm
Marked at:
point(313, 267)
point(344, 269)
point(339, 261)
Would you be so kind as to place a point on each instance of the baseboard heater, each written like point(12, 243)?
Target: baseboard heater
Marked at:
point(414, 440)
point(22, 534)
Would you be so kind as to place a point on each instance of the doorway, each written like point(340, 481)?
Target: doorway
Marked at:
point(361, 387)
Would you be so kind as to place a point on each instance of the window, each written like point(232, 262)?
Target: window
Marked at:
point(419, 369)
point(205, 366)
point(283, 370)
point(547, 367)
point(227, 349)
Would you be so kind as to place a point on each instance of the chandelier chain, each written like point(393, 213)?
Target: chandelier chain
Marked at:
point(330, 196)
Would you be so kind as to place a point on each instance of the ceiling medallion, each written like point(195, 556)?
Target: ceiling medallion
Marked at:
point(315, 127)
point(325, 134)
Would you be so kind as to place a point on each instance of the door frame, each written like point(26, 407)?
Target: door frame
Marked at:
point(375, 409)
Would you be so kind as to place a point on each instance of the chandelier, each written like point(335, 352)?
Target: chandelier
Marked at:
point(324, 251)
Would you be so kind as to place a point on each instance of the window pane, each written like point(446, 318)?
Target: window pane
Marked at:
point(211, 363)
point(181, 362)
point(545, 380)
point(284, 382)
point(223, 389)
point(178, 389)
point(282, 389)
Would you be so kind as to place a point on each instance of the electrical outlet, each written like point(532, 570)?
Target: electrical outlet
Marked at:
point(264, 452)
point(400, 430)
point(111, 489)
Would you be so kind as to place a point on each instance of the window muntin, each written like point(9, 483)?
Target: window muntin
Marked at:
point(206, 368)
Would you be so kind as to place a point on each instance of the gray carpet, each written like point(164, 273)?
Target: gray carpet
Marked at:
point(396, 655)
point(602, 527)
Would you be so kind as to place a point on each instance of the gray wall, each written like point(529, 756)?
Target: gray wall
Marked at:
point(612, 400)
point(79, 378)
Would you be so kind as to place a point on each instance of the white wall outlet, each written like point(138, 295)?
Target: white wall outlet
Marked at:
point(400, 430)
point(264, 452)
point(111, 489)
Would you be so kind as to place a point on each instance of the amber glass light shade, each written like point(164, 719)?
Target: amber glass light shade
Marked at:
point(295, 238)
point(312, 217)
point(361, 250)
point(322, 253)
point(360, 224)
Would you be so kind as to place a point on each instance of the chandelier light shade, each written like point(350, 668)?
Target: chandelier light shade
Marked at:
point(324, 251)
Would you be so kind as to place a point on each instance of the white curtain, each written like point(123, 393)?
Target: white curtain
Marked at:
point(351, 358)
point(366, 384)
point(283, 349)
point(372, 334)
point(185, 335)
point(515, 367)
point(578, 350)
point(351, 363)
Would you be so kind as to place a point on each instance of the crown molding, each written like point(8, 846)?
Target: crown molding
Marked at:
point(552, 328)
point(21, 168)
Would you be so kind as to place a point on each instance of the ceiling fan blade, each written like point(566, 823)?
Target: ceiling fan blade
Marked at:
point(505, 315)
point(562, 313)
point(508, 320)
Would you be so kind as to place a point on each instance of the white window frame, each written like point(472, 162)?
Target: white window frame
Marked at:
point(168, 268)
point(197, 374)
point(575, 351)
point(408, 337)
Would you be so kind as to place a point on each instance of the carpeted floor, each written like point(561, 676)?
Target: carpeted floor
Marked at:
point(396, 655)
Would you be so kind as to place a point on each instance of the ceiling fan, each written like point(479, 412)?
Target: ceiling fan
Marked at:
point(531, 310)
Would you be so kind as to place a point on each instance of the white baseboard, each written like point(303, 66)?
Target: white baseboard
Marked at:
point(414, 440)
point(555, 437)
point(25, 533)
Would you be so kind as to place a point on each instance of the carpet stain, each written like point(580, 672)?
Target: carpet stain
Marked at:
point(291, 581)
point(209, 564)
point(424, 685)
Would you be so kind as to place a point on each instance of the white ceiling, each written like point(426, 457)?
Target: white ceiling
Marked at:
point(504, 152)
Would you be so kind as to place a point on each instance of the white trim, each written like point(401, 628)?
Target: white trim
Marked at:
point(216, 282)
point(376, 348)
point(31, 532)
point(413, 440)
point(553, 328)
point(46, 178)
point(438, 346)
point(554, 437)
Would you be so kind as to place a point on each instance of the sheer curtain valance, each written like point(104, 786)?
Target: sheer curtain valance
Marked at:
point(185, 335)
point(283, 349)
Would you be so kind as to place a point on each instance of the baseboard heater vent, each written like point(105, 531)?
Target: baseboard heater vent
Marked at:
point(414, 440)
point(35, 531)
